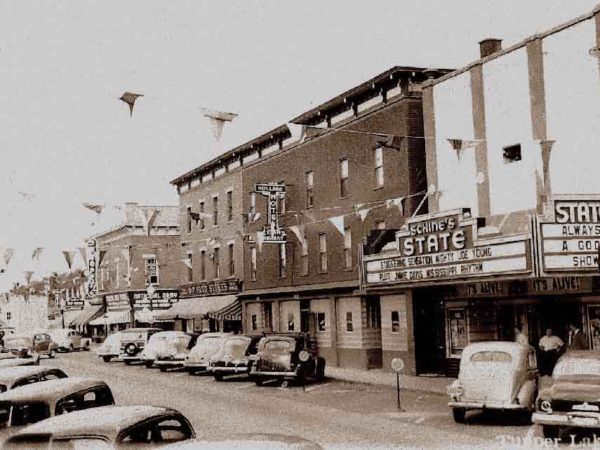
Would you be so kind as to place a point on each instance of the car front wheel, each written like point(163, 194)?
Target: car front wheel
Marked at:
point(550, 432)
point(459, 415)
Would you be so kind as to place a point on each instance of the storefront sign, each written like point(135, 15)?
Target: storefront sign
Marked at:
point(91, 268)
point(446, 247)
point(570, 237)
point(231, 286)
point(117, 301)
point(158, 299)
point(272, 233)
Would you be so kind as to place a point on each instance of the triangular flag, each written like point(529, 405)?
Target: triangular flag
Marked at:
point(83, 253)
point(69, 255)
point(297, 131)
point(338, 223)
point(28, 274)
point(36, 253)
point(217, 120)
point(187, 262)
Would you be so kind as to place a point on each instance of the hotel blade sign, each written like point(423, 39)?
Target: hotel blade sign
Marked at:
point(272, 233)
point(446, 246)
point(570, 234)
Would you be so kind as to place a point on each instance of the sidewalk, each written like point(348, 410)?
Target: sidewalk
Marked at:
point(386, 377)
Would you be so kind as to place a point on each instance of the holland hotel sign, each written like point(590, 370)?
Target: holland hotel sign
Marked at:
point(446, 246)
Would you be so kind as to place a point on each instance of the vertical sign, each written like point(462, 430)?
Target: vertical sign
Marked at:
point(272, 233)
point(91, 268)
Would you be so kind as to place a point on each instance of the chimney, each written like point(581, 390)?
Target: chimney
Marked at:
point(130, 212)
point(489, 46)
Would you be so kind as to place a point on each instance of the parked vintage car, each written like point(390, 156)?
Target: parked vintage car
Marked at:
point(235, 356)
point(168, 349)
point(572, 399)
point(494, 375)
point(13, 377)
point(69, 340)
point(110, 348)
point(106, 427)
point(36, 402)
point(133, 341)
point(24, 346)
point(285, 357)
point(206, 346)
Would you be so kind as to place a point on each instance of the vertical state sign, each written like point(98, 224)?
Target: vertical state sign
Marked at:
point(91, 289)
point(446, 246)
point(272, 233)
point(570, 234)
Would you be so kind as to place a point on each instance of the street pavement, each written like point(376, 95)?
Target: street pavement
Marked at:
point(336, 414)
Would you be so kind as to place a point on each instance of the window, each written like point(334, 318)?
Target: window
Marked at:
point(378, 167)
point(254, 321)
point(511, 153)
point(349, 324)
point(347, 248)
point(229, 206)
point(231, 260)
point(190, 272)
point(395, 322)
point(373, 313)
point(321, 321)
point(304, 257)
point(217, 262)
point(253, 263)
point(290, 322)
point(215, 211)
point(203, 264)
point(151, 271)
point(344, 177)
point(322, 252)
point(188, 219)
point(282, 261)
point(202, 223)
point(309, 189)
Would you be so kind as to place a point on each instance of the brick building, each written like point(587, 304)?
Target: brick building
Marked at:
point(141, 252)
point(513, 230)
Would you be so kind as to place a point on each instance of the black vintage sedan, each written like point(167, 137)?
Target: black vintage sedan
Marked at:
point(287, 357)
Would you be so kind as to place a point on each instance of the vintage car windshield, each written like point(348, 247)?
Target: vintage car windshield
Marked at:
point(18, 342)
point(21, 414)
point(279, 345)
point(577, 366)
point(490, 356)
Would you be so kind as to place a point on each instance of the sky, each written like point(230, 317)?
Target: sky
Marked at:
point(66, 138)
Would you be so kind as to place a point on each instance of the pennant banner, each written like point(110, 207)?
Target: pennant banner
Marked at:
point(37, 252)
point(338, 223)
point(217, 120)
point(69, 256)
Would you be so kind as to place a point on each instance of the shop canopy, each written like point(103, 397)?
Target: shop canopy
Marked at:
point(190, 308)
point(229, 312)
point(112, 317)
point(86, 315)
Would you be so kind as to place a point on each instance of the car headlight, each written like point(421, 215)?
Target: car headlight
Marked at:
point(546, 406)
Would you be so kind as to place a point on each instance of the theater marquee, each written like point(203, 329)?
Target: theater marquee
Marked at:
point(446, 246)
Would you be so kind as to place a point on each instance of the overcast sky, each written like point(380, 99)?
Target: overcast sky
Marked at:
point(65, 138)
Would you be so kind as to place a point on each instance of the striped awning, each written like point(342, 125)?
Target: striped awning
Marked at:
point(229, 312)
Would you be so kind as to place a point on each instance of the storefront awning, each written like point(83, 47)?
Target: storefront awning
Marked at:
point(112, 317)
point(86, 315)
point(229, 312)
point(190, 308)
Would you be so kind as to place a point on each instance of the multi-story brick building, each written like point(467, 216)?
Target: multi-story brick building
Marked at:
point(513, 232)
point(365, 171)
point(137, 266)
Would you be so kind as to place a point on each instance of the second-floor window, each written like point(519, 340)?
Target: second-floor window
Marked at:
point(379, 178)
point(310, 184)
point(322, 252)
point(215, 211)
point(203, 264)
point(253, 263)
point(231, 259)
point(151, 270)
point(190, 272)
point(282, 261)
point(229, 206)
point(202, 211)
point(347, 248)
point(217, 262)
point(344, 177)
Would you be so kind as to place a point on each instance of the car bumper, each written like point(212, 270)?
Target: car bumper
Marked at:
point(587, 420)
point(486, 405)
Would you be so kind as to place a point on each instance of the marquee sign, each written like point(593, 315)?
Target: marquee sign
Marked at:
point(91, 288)
point(272, 233)
point(570, 234)
point(445, 246)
